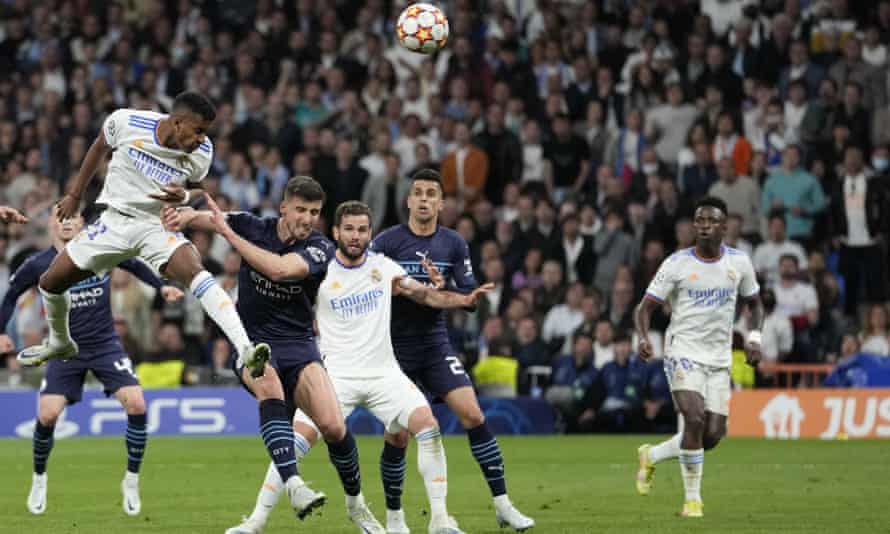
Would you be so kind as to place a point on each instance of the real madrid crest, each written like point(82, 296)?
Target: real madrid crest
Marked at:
point(731, 275)
point(376, 276)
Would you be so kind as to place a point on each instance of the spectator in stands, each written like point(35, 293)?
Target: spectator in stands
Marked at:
point(573, 374)
point(603, 345)
point(730, 144)
point(795, 191)
point(504, 153)
point(621, 305)
point(575, 251)
point(614, 402)
point(875, 335)
point(778, 336)
point(562, 320)
point(797, 301)
point(529, 350)
point(386, 194)
point(767, 254)
point(667, 124)
point(852, 68)
point(624, 154)
point(613, 247)
point(569, 157)
point(465, 169)
point(859, 228)
point(698, 178)
point(670, 208)
point(741, 194)
point(733, 237)
point(801, 69)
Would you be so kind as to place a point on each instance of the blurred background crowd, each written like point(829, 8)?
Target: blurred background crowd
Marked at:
point(573, 138)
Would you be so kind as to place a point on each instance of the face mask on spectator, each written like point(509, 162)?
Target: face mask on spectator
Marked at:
point(650, 168)
point(879, 164)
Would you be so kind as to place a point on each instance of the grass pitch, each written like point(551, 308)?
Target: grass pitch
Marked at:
point(568, 484)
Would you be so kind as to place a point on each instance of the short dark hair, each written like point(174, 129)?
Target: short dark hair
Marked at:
point(196, 103)
point(351, 207)
point(777, 213)
point(304, 187)
point(790, 257)
point(712, 202)
point(427, 175)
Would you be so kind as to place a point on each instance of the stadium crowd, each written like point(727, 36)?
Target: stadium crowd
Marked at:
point(573, 138)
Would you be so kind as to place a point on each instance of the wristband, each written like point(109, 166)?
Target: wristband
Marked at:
point(188, 195)
point(755, 337)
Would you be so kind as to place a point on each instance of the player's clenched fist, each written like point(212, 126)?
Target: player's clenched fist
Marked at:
point(644, 349)
point(8, 215)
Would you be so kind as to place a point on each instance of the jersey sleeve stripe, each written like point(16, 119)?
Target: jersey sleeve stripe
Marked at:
point(142, 120)
point(649, 295)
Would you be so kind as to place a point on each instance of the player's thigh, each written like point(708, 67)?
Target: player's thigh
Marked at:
point(65, 378)
point(169, 252)
point(393, 399)
point(718, 390)
point(102, 245)
point(114, 369)
point(315, 394)
point(50, 408)
point(688, 383)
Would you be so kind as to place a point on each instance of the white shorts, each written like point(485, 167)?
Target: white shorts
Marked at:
point(391, 399)
point(712, 383)
point(115, 237)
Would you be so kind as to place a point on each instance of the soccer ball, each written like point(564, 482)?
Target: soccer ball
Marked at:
point(422, 28)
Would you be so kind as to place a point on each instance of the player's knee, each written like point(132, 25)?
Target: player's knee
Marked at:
point(135, 405)
point(694, 422)
point(48, 417)
point(333, 430)
point(399, 440)
point(472, 418)
point(712, 437)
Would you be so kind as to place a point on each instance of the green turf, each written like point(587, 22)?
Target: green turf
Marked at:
point(568, 484)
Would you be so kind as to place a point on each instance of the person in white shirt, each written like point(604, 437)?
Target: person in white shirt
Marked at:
point(157, 160)
point(353, 311)
point(767, 254)
point(562, 320)
point(702, 285)
point(795, 300)
point(778, 336)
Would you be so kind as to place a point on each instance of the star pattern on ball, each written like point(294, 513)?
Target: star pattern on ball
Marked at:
point(423, 35)
point(413, 11)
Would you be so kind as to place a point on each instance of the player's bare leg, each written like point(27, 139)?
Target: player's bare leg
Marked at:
point(185, 267)
point(691, 405)
point(463, 402)
point(433, 468)
point(53, 287)
point(48, 413)
point(315, 395)
point(133, 401)
point(715, 430)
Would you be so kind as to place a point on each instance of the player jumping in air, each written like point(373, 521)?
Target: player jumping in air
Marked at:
point(701, 284)
point(353, 311)
point(100, 351)
point(421, 344)
point(283, 263)
point(154, 159)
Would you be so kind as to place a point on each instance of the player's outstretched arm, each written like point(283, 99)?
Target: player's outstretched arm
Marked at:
point(406, 286)
point(11, 215)
point(70, 203)
point(290, 266)
point(642, 317)
point(185, 218)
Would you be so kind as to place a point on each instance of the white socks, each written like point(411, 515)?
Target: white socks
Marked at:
point(692, 464)
point(666, 450)
point(219, 306)
point(669, 448)
point(56, 308)
point(433, 469)
point(273, 487)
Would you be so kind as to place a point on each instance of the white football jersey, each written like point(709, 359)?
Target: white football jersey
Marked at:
point(353, 311)
point(140, 166)
point(702, 295)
